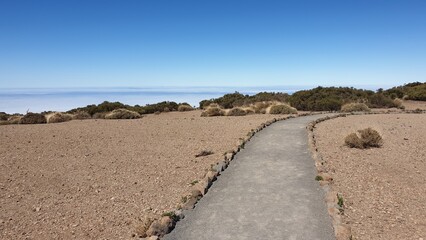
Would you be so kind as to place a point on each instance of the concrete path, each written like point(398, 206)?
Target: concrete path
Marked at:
point(267, 192)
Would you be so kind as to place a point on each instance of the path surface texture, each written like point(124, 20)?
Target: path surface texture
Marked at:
point(267, 192)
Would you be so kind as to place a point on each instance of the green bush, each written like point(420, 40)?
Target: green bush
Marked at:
point(327, 99)
point(4, 116)
point(355, 107)
point(33, 118)
point(282, 109)
point(379, 100)
point(410, 91)
point(237, 99)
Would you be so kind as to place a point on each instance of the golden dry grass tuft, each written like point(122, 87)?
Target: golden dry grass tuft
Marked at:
point(122, 113)
point(14, 119)
point(355, 107)
point(184, 108)
point(212, 111)
point(282, 109)
point(261, 107)
point(58, 117)
point(236, 111)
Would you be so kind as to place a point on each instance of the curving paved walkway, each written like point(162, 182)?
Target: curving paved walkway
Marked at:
point(267, 192)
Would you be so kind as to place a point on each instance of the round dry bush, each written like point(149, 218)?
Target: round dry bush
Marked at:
point(368, 138)
point(58, 117)
point(371, 138)
point(81, 115)
point(33, 118)
point(282, 109)
point(212, 111)
point(398, 103)
point(355, 107)
point(184, 108)
point(236, 111)
point(122, 114)
point(353, 141)
point(166, 109)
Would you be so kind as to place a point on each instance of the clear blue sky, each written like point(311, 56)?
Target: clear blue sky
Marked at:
point(144, 43)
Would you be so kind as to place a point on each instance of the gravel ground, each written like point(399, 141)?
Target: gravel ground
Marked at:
point(384, 189)
point(96, 179)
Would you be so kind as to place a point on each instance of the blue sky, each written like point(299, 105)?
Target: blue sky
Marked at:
point(211, 43)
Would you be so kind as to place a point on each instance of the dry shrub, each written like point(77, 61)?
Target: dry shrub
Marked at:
point(367, 138)
point(260, 107)
point(212, 111)
point(81, 115)
point(398, 103)
point(249, 110)
point(99, 115)
point(236, 111)
point(282, 109)
point(166, 109)
point(122, 113)
point(14, 119)
point(184, 108)
point(355, 107)
point(58, 117)
point(353, 141)
point(33, 118)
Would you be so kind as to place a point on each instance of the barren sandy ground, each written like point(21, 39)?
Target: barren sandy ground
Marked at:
point(94, 179)
point(384, 189)
point(413, 105)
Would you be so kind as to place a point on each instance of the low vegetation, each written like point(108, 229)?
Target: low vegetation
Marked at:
point(282, 109)
point(185, 108)
point(212, 111)
point(237, 99)
point(33, 118)
point(122, 114)
point(410, 91)
point(366, 138)
point(355, 107)
point(80, 115)
point(106, 107)
point(333, 98)
point(58, 117)
point(236, 111)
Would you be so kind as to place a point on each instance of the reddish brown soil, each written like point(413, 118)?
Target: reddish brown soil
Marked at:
point(384, 189)
point(95, 179)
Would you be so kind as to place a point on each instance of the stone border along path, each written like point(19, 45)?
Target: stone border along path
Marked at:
point(268, 192)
